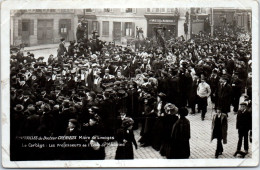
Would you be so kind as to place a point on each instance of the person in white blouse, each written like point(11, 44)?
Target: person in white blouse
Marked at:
point(203, 91)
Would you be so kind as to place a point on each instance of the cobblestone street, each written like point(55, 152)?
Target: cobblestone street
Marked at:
point(201, 146)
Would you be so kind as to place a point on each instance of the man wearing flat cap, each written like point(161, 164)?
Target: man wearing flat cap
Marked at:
point(62, 49)
point(243, 125)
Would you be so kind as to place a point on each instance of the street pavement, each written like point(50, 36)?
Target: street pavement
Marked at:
point(200, 145)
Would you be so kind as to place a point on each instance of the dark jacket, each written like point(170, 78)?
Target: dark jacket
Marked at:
point(224, 127)
point(244, 120)
point(224, 97)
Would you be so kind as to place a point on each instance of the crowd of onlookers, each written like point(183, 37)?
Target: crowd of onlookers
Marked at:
point(97, 89)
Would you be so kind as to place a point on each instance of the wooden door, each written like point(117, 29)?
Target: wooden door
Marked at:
point(25, 32)
point(45, 31)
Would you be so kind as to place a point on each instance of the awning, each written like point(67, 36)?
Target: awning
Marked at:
point(87, 16)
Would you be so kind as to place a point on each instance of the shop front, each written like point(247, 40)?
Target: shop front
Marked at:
point(166, 24)
point(90, 23)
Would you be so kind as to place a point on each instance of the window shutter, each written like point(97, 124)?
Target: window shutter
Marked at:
point(123, 28)
point(31, 27)
point(98, 28)
point(69, 25)
point(133, 29)
point(89, 31)
point(134, 10)
point(19, 27)
point(60, 22)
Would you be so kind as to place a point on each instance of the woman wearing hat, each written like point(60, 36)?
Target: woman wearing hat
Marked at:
point(93, 129)
point(148, 121)
point(159, 122)
point(125, 138)
point(180, 137)
point(169, 120)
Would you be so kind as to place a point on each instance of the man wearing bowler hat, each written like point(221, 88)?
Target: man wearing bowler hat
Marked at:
point(62, 49)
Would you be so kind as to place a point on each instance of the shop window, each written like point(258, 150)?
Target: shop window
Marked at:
point(38, 10)
point(129, 10)
point(63, 29)
point(148, 9)
point(163, 10)
point(52, 10)
point(65, 25)
point(89, 10)
point(155, 9)
point(108, 10)
point(128, 29)
point(105, 28)
point(25, 26)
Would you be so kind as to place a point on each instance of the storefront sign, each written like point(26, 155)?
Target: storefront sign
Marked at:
point(162, 20)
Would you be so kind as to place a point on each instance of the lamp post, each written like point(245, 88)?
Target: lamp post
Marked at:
point(190, 24)
point(212, 22)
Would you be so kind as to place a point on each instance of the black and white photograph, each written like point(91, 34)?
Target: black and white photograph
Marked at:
point(128, 83)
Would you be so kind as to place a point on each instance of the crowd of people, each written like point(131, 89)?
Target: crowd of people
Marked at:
point(99, 89)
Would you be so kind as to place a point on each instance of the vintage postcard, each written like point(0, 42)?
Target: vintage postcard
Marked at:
point(129, 83)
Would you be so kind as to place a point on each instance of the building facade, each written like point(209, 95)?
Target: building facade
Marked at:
point(42, 26)
point(45, 26)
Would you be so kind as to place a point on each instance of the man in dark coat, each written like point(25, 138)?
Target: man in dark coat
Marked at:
point(224, 95)
point(80, 32)
point(236, 84)
point(173, 88)
point(213, 82)
point(62, 49)
point(132, 105)
point(243, 124)
point(219, 131)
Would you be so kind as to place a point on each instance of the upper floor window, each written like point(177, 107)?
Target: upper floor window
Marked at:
point(129, 10)
point(108, 10)
point(89, 10)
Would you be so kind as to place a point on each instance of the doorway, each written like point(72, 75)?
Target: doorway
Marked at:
point(45, 31)
point(117, 31)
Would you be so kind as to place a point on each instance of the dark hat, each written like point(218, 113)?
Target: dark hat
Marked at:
point(31, 107)
point(66, 103)
point(62, 39)
point(76, 98)
point(74, 121)
point(92, 94)
point(127, 122)
point(183, 111)
point(117, 83)
point(122, 93)
point(171, 107)
point(60, 99)
point(19, 92)
point(108, 90)
point(161, 94)
point(40, 58)
point(95, 117)
point(95, 108)
point(18, 108)
point(244, 103)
